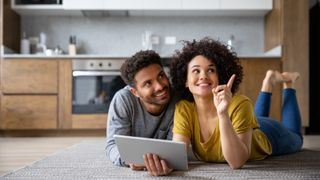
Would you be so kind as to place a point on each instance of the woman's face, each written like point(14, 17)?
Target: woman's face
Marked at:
point(202, 76)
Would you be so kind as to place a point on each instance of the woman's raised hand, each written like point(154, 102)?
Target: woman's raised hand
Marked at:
point(222, 95)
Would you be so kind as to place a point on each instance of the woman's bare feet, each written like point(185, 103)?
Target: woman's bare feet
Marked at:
point(289, 78)
point(271, 78)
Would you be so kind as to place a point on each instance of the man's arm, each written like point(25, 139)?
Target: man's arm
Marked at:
point(118, 123)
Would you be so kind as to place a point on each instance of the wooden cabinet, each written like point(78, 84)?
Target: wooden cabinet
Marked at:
point(254, 72)
point(29, 77)
point(89, 121)
point(28, 112)
point(67, 120)
point(287, 26)
point(29, 98)
point(9, 27)
point(37, 94)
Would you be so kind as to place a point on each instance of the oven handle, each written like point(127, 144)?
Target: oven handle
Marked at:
point(95, 73)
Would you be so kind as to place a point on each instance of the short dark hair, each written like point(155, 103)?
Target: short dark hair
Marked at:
point(226, 62)
point(137, 62)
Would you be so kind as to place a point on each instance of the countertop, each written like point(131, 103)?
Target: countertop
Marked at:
point(273, 53)
point(101, 56)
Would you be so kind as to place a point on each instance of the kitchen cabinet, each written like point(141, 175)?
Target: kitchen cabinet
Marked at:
point(155, 7)
point(83, 4)
point(29, 77)
point(161, 5)
point(168, 4)
point(254, 72)
point(123, 4)
point(40, 96)
point(37, 9)
point(37, 94)
point(42, 9)
point(29, 94)
point(28, 112)
point(245, 4)
point(102, 5)
point(286, 25)
point(201, 4)
point(67, 120)
point(9, 27)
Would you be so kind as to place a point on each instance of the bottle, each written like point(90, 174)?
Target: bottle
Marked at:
point(42, 47)
point(72, 46)
point(34, 41)
point(24, 44)
point(147, 40)
point(231, 43)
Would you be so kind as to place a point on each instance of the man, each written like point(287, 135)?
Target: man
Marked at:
point(143, 108)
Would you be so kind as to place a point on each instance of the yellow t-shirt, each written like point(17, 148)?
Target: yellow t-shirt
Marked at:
point(243, 118)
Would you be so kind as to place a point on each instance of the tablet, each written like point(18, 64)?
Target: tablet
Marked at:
point(132, 149)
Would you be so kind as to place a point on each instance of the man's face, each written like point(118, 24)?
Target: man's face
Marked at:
point(152, 87)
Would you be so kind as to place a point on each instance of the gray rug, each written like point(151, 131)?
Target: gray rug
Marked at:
point(87, 160)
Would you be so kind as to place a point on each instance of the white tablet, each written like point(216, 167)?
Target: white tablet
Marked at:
point(132, 149)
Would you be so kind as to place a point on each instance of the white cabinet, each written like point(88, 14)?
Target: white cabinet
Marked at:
point(154, 7)
point(227, 7)
point(179, 5)
point(245, 4)
point(200, 4)
point(83, 4)
point(102, 4)
point(122, 4)
point(161, 4)
point(31, 9)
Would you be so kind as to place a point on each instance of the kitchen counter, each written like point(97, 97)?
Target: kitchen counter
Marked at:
point(34, 56)
point(91, 56)
point(273, 53)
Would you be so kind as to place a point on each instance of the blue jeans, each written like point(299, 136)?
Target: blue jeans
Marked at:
point(285, 137)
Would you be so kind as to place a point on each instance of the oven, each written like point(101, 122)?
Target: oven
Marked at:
point(94, 83)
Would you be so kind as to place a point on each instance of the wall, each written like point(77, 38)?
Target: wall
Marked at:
point(121, 36)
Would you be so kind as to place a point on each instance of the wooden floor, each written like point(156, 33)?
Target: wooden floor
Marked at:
point(16, 153)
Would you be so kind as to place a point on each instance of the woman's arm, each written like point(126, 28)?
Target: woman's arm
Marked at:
point(236, 148)
point(181, 138)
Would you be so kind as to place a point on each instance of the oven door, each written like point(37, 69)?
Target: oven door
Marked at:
point(93, 91)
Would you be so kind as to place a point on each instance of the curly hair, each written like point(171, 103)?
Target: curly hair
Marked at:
point(137, 62)
point(226, 62)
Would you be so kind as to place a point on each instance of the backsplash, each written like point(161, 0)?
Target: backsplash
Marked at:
point(122, 36)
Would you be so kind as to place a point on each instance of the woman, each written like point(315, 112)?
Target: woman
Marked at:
point(221, 126)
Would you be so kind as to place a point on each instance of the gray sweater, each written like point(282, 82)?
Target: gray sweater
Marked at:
point(127, 116)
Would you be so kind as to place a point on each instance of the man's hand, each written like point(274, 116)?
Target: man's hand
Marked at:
point(155, 165)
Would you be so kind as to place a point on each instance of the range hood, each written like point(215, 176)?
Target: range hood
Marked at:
point(105, 13)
